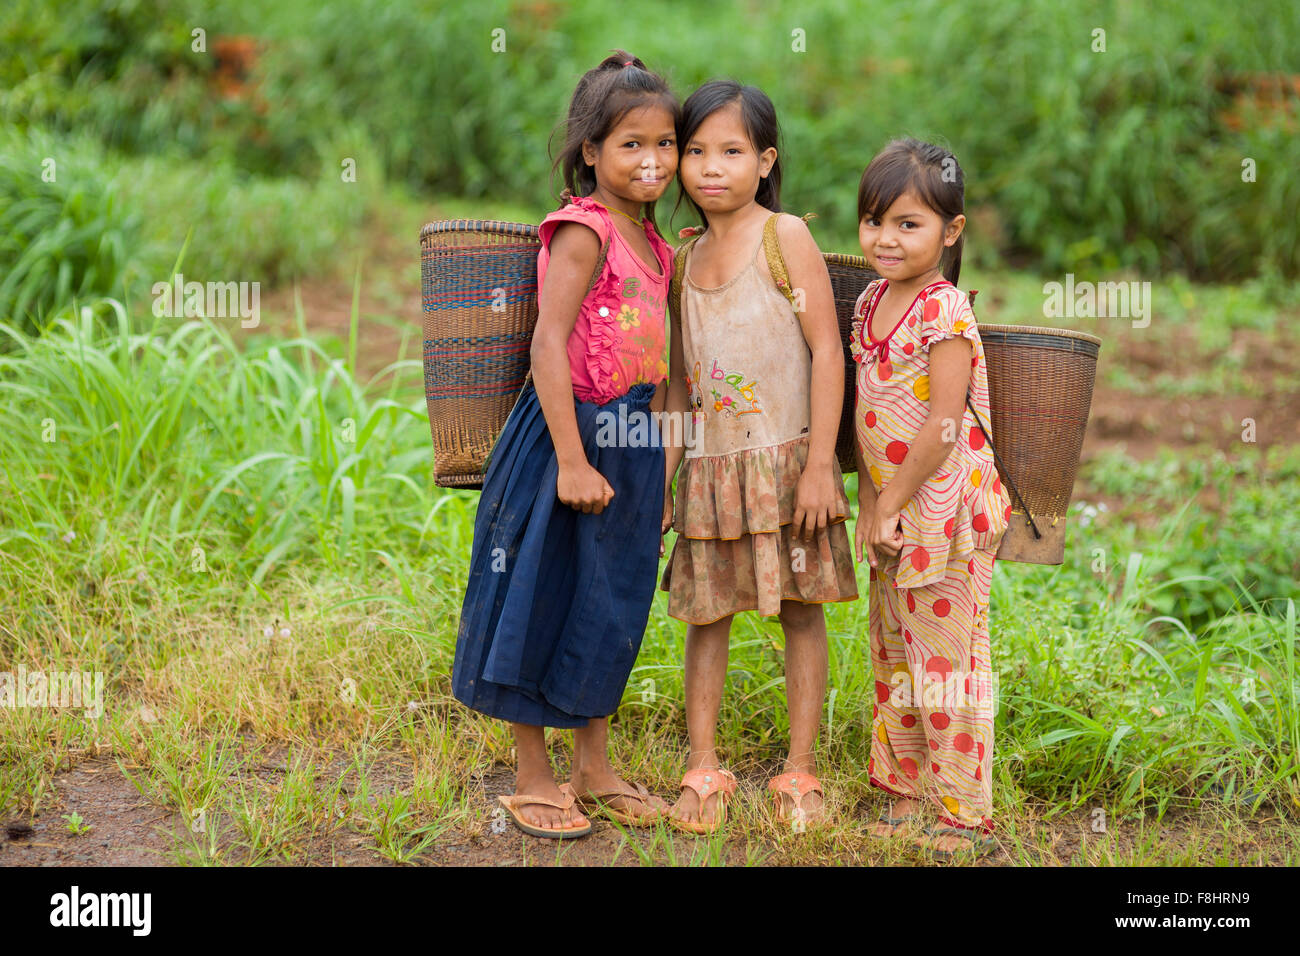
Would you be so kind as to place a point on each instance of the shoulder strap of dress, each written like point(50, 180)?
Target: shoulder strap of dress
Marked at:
point(776, 261)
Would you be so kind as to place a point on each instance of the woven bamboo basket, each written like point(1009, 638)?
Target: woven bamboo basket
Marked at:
point(849, 276)
point(1040, 390)
point(479, 297)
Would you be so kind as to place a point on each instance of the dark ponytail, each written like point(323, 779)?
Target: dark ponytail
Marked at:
point(933, 173)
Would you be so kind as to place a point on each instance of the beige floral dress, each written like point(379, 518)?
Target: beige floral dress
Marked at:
point(748, 373)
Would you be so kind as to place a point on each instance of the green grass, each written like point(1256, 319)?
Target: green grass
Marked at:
point(259, 558)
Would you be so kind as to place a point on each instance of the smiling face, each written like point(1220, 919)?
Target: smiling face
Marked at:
point(908, 239)
point(721, 168)
point(638, 158)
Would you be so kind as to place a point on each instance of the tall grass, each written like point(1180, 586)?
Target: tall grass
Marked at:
point(234, 534)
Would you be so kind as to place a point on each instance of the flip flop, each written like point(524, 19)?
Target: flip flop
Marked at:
point(894, 823)
point(796, 786)
point(513, 802)
point(706, 782)
point(597, 801)
point(981, 844)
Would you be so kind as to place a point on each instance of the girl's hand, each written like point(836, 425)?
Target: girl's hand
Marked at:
point(583, 488)
point(814, 499)
point(862, 532)
point(667, 519)
point(886, 535)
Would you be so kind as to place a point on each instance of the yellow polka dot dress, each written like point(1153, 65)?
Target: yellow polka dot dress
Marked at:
point(932, 724)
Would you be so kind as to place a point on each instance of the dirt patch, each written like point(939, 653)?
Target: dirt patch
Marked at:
point(129, 830)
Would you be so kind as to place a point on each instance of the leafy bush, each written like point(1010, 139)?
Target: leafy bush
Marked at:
point(63, 229)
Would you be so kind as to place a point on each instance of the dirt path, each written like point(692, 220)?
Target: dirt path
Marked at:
point(129, 830)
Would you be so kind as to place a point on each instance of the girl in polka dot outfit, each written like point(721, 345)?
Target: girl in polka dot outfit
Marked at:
point(932, 508)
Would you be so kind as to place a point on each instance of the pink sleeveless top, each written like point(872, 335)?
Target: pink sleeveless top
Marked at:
point(619, 338)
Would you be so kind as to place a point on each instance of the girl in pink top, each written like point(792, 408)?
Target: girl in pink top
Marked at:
point(567, 535)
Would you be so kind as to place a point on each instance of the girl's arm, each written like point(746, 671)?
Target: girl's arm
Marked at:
point(815, 498)
point(574, 251)
point(678, 403)
point(949, 379)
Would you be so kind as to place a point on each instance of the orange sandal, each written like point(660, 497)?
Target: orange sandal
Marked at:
point(796, 786)
point(513, 802)
point(706, 781)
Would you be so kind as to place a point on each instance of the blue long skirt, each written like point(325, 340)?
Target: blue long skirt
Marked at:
point(558, 600)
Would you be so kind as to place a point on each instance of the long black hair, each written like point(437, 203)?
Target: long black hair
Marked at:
point(930, 171)
point(603, 96)
point(759, 117)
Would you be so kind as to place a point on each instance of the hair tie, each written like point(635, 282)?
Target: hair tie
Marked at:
point(627, 62)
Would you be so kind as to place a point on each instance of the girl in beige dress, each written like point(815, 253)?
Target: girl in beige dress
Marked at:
point(760, 505)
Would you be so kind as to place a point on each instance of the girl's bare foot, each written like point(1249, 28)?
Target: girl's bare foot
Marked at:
point(899, 808)
point(539, 814)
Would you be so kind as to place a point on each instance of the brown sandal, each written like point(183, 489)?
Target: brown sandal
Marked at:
point(513, 802)
point(598, 801)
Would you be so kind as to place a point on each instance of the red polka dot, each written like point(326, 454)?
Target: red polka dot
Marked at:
point(896, 451)
point(1007, 513)
point(980, 523)
point(920, 559)
point(893, 779)
point(908, 766)
point(909, 348)
point(979, 773)
point(875, 711)
point(970, 565)
point(907, 635)
point(980, 749)
point(908, 720)
point(870, 419)
point(871, 766)
point(939, 665)
point(997, 486)
point(976, 439)
point(911, 602)
point(942, 607)
point(967, 686)
point(964, 743)
point(884, 370)
point(934, 767)
point(947, 528)
point(882, 692)
point(975, 363)
point(940, 721)
point(931, 310)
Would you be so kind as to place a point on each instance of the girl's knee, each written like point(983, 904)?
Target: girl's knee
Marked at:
point(799, 615)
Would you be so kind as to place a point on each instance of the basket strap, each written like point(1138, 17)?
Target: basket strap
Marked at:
point(595, 276)
point(997, 459)
point(776, 261)
point(679, 271)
